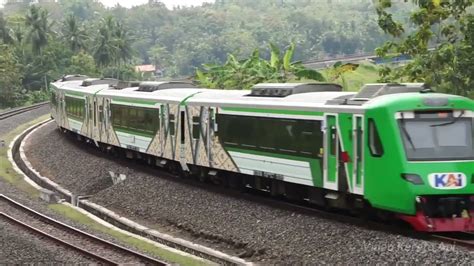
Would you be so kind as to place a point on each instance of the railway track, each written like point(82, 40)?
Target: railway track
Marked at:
point(17, 111)
point(465, 239)
point(90, 246)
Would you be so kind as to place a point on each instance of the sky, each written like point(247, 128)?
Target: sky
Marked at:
point(169, 3)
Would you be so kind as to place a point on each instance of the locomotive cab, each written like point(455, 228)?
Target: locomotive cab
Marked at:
point(428, 173)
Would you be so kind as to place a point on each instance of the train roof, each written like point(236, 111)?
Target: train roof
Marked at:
point(164, 95)
point(239, 98)
point(76, 86)
point(320, 97)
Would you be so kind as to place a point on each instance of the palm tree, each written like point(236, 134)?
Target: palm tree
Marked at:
point(113, 45)
point(36, 21)
point(122, 43)
point(74, 33)
point(105, 51)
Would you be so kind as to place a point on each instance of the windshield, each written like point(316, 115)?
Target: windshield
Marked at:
point(438, 139)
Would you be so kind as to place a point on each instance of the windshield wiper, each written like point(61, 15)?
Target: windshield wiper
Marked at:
point(405, 131)
point(450, 122)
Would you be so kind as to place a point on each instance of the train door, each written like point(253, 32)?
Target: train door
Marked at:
point(90, 118)
point(331, 155)
point(182, 138)
point(358, 154)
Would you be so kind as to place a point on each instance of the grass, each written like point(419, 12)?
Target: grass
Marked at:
point(169, 256)
point(6, 169)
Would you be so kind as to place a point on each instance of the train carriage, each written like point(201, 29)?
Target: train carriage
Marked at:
point(397, 148)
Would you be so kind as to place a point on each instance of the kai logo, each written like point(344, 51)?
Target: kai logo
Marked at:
point(447, 180)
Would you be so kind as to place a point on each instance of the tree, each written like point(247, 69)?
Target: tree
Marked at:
point(441, 44)
point(5, 32)
point(104, 50)
point(243, 74)
point(122, 44)
point(10, 79)
point(82, 63)
point(113, 45)
point(74, 33)
point(38, 28)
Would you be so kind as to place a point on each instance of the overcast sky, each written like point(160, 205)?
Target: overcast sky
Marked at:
point(168, 3)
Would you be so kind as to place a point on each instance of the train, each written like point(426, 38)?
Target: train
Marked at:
point(398, 149)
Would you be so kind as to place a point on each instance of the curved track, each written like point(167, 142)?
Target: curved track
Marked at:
point(465, 239)
point(20, 110)
point(70, 237)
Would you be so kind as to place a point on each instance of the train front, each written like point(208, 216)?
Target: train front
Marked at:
point(430, 156)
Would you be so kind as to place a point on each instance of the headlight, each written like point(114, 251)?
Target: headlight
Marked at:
point(413, 178)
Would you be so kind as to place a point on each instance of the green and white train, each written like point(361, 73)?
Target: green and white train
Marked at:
point(397, 148)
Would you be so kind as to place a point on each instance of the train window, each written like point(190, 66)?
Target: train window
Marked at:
point(171, 124)
point(332, 140)
point(101, 110)
point(276, 135)
point(75, 107)
point(183, 123)
point(196, 127)
point(375, 144)
point(137, 119)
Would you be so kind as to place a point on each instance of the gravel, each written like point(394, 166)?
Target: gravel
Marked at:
point(259, 232)
point(20, 247)
point(12, 122)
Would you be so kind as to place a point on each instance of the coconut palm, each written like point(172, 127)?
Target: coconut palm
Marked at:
point(105, 51)
point(122, 43)
point(38, 28)
point(74, 33)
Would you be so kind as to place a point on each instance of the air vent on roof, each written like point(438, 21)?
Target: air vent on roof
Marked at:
point(285, 89)
point(125, 84)
point(73, 77)
point(96, 81)
point(150, 86)
point(370, 91)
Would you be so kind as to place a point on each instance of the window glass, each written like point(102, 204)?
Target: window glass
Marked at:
point(137, 119)
point(276, 135)
point(438, 139)
point(375, 144)
point(196, 127)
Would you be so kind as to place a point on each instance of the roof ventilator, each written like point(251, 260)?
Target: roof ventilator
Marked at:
point(370, 91)
point(151, 86)
point(124, 84)
point(73, 77)
point(286, 89)
point(99, 81)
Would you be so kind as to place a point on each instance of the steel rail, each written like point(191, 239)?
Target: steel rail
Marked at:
point(17, 111)
point(465, 239)
point(74, 231)
point(38, 232)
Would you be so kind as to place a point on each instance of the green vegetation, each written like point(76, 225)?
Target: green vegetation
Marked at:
point(41, 42)
point(245, 73)
point(167, 255)
point(353, 79)
point(6, 169)
point(445, 26)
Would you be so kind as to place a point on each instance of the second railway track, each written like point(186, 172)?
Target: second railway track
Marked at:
point(93, 247)
point(16, 111)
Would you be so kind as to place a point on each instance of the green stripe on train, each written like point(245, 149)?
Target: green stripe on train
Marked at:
point(315, 164)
